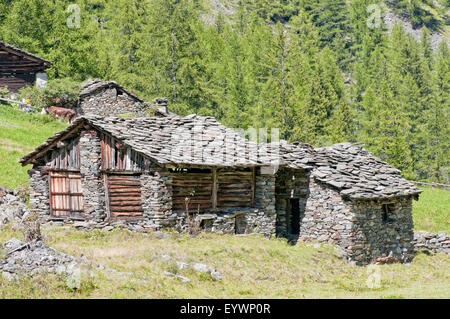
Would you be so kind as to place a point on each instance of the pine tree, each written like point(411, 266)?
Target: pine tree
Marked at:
point(437, 119)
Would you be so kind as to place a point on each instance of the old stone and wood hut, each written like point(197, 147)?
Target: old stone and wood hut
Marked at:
point(19, 68)
point(140, 171)
point(107, 98)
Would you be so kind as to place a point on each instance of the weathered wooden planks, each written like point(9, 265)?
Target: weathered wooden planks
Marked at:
point(65, 157)
point(235, 188)
point(66, 195)
point(124, 196)
point(117, 157)
point(216, 188)
point(197, 186)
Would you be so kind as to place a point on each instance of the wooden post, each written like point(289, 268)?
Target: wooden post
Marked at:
point(214, 188)
point(253, 186)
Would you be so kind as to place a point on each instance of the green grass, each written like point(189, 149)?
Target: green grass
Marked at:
point(251, 267)
point(20, 133)
point(432, 211)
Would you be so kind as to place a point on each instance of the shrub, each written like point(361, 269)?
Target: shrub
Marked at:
point(59, 92)
point(4, 92)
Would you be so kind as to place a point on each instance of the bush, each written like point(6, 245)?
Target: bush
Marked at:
point(4, 92)
point(59, 92)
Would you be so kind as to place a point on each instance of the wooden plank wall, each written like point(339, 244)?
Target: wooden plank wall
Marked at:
point(234, 188)
point(66, 195)
point(17, 72)
point(117, 157)
point(183, 184)
point(124, 196)
point(217, 188)
point(66, 157)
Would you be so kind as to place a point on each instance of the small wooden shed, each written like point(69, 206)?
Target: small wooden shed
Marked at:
point(19, 68)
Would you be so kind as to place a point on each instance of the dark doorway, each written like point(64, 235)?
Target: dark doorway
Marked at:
point(294, 216)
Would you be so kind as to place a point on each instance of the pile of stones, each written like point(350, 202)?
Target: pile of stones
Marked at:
point(12, 206)
point(432, 242)
point(29, 259)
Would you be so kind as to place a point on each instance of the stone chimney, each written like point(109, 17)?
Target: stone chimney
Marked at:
point(161, 104)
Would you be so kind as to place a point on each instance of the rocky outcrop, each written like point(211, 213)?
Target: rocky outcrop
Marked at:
point(391, 19)
point(12, 206)
point(33, 258)
point(432, 242)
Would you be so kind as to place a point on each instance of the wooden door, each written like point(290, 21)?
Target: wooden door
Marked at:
point(124, 196)
point(66, 195)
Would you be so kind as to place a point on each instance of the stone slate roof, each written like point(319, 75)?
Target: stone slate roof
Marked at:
point(193, 140)
point(297, 155)
point(24, 53)
point(203, 141)
point(357, 174)
point(93, 85)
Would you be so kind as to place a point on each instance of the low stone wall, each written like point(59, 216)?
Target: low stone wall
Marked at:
point(431, 242)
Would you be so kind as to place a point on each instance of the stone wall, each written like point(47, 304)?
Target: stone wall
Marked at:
point(374, 238)
point(327, 217)
point(432, 242)
point(91, 178)
point(107, 102)
point(358, 226)
point(156, 192)
point(39, 190)
point(157, 203)
point(263, 218)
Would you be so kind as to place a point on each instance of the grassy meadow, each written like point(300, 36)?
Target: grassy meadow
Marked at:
point(132, 266)
point(20, 133)
point(432, 211)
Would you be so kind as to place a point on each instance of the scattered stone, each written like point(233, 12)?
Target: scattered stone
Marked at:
point(12, 207)
point(162, 235)
point(206, 269)
point(12, 244)
point(182, 278)
point(32, 258)
point(182, 265)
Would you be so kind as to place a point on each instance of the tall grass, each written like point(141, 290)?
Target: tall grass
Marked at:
point(20, 133)
point(132, 266)
point(432, 211)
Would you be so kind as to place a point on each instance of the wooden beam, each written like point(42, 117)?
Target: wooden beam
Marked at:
point(26, 56)
point(52, 144)
point(214, 188)
point(253, 186)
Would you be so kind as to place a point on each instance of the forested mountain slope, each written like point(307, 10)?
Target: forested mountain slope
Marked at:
point(322, 71)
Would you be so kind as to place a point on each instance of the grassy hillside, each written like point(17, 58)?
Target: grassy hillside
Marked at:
point(20, 133)
point(432, 211)
point(133, 266)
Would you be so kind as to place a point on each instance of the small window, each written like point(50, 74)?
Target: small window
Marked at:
point(387, 213)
